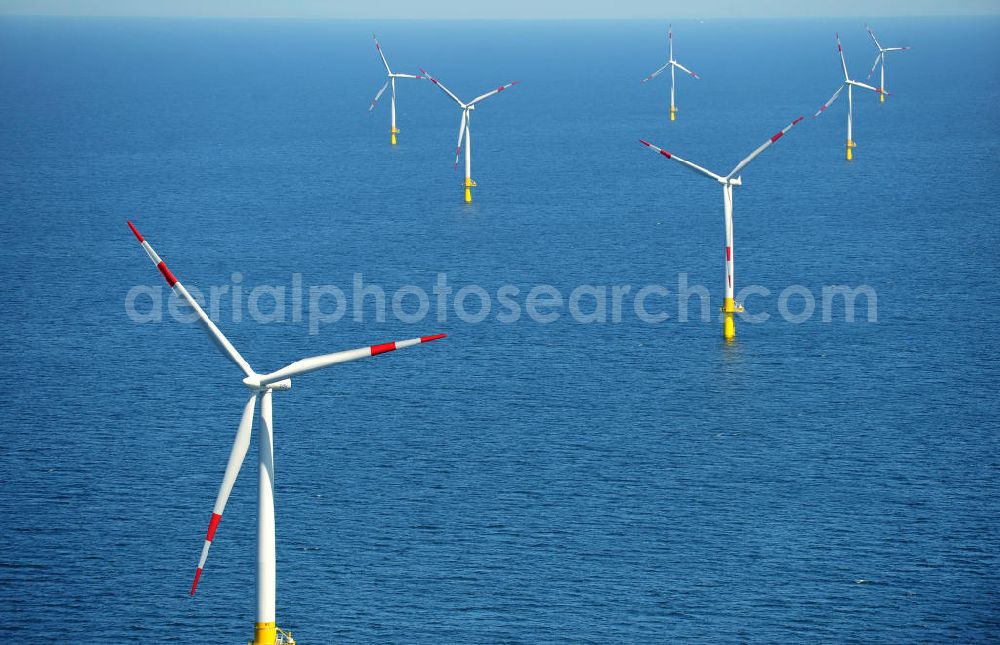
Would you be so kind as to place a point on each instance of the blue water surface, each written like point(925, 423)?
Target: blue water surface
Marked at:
point(606, 482)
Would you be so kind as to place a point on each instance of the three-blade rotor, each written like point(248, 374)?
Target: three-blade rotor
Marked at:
point(671, 62)
point(257, 383)
point(465, 107)
point(389, 74)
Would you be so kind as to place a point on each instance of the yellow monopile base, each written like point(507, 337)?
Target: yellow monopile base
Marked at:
point(729, 311)
point(850, 149)
point(673, 113)
point(469, 185)
point(394, 132)
point(264, 633)
point(881, 97)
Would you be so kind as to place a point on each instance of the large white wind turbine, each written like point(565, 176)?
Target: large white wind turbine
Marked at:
point(880, 60)
point(465, 126)
point(260, 386)
point(390, 82)
point(850, 85)
point(730, 307)
point(672, 64)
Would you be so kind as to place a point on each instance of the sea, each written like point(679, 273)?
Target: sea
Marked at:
point(559, 468)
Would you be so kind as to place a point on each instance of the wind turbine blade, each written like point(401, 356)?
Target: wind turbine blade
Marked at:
point(377, 96)
point(686, 70)
point(897, 49)
point(867, 87)
point(491, 93)
point(236, 456)
point(384, 61)
point(213, 332)
point(874, 39)
point(764, 146)
point(406, 76)
point(670, 40)
point(461, 131)
point(655, 74)
point(443, 88)
point(843, 62)
point(692, 166)
point(832, 99)
point(314, 363)
point(878, 58)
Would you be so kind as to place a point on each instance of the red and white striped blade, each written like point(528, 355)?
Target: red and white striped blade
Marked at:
point(380, 53)
point(689, 164)
point(656, 73)
point(213, 332)
point(443, 88)
point(865, 86)
point(878, 57)
point(236, 457)
point(830, 102)
point(843, 62)
point(764, 146)
point(314, 363)
point(874, 39)
point(461, 131)
point(492, 92)
point(686, 70)
point(378, 96)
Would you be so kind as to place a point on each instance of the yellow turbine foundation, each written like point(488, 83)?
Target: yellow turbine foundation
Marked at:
point(881, 97)
point(264, 633)
point(469, 185)
point(394, 132)
point(850, 146)
point(729, 311)
point(673, 113)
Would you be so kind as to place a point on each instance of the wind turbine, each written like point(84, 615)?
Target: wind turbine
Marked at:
point(880, 60)
point(729, 307)
point(850, 85)
point(672, 64)
point(464, 128)
point(260, 386)
point(390, 81)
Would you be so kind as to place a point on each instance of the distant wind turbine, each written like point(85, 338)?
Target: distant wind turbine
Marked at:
point(390, 82)
point(880, 60)
point(465, 126)
point(850, 85)
point(730, 307)
point(671, 64)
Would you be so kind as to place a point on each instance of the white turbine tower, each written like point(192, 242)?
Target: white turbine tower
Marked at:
point(730, 307)
point(464, 128)
point(672, 64)
point(390, 82)
point(850, 85)
point(260, 386)
point(880, 60)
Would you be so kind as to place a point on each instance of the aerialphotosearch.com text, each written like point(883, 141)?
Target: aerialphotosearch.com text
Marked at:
point(326, 304)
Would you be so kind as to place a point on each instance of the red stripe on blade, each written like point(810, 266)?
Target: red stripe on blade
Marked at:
point(797, 120)
point(171, 280)
point(665, 153)
point(777, 136)
point(212, 525)
point(729, 253)
point(427, 339)
point(135, 231)
point(194, 585)
point(383, 348)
